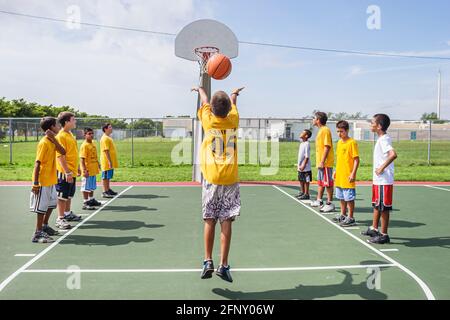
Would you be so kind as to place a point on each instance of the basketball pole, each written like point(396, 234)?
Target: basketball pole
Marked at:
point(205, 82)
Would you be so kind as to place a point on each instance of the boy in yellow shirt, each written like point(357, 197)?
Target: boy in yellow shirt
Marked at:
point(67, 168)
point(90, 167)
point(43, 193)
point(347, 163)
point(220, 191)
point(108, 160)
point(324, 163)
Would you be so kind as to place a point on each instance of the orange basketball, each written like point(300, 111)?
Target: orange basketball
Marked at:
point(218, 66)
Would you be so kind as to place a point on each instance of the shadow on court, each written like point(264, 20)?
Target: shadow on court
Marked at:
point(308, 292)
point(368, 209)
point(129, 208)
point(443, 242)
point(119, 225)
point(141, 196)
point(102, 241)
point(392, 223)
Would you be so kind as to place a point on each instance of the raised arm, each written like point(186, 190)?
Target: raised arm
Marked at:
point(203, 97)
point(235, 94)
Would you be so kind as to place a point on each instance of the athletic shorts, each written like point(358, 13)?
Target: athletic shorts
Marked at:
point(382, 197)
point(88, 184)
point(64, 189)
point(346, 194)
point(220, 202)
point(108, 174)
point(325, 177)
point(44, 200)
point(305, 176)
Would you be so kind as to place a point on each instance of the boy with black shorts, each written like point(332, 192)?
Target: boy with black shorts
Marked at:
point(304, 165)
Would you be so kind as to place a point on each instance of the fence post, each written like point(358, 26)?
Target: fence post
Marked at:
point(10, 141)
point(429, 143)
point(132, 142)
point(258, 141)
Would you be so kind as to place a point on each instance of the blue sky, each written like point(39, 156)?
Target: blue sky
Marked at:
point(121, 73)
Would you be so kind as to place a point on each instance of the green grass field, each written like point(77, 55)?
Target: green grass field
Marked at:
point(152, 161)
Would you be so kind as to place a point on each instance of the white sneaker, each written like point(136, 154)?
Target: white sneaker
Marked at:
point(62, 224)
point(317, 203)
point(327, 208)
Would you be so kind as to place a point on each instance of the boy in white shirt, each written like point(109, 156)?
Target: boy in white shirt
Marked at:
point(304, 165)
point(383, 180)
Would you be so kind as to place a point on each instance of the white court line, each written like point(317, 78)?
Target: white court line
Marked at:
point(428, 186)
point(422, 284)
point(358, 266)
point(24, 255)
point(43, 252)
point(388, 250)
point(351, 228)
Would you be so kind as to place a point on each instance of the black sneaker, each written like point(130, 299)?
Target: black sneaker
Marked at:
point(299, 195)
point(112, 192)
point(95, 203)
point(224, 273)
point(304, 197)
point(380, 239)
point(208, 269)
point(72, 217)
point(370, 232)
point(107, 195)
point(50, 231)
point(87, 205)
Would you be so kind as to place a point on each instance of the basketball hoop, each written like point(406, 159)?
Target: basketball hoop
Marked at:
point(204, 53)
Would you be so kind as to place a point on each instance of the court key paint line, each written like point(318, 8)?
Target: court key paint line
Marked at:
point(421, 283)
point(43, 252)
point(358, 266)
point(428, 186)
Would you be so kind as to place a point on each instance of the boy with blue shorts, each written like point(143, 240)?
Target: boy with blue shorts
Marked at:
point(347, 162)
point(108, 160)
point(220, 191)
point(90, 167)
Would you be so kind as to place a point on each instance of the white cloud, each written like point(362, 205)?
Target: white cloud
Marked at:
point(355, 70)
point(101, 71)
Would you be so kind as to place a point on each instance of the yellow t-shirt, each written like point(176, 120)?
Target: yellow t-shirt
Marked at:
point(69, 143)
point(345, 154)
point(88, 151)
point(45, 154)
point(323, 139)
point(218, 157)
point(107, 143)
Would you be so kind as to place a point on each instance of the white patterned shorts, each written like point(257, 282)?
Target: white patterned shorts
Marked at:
point(220, 202)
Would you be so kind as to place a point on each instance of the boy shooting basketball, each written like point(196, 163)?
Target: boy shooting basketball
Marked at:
point(219, 165)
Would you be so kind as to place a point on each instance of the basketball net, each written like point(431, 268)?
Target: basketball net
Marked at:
point(204, 53)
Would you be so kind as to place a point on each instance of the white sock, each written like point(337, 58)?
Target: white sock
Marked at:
point(91, 198)
point(66, 213)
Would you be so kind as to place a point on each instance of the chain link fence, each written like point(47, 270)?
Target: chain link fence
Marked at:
point(155, 141)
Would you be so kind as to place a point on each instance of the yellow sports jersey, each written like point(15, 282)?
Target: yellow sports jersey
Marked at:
point(69, 143)
point(88, 151)
point(218, 157)
point(324, 139)
point(345, 154)
point(45, 154)
point(107, 143)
